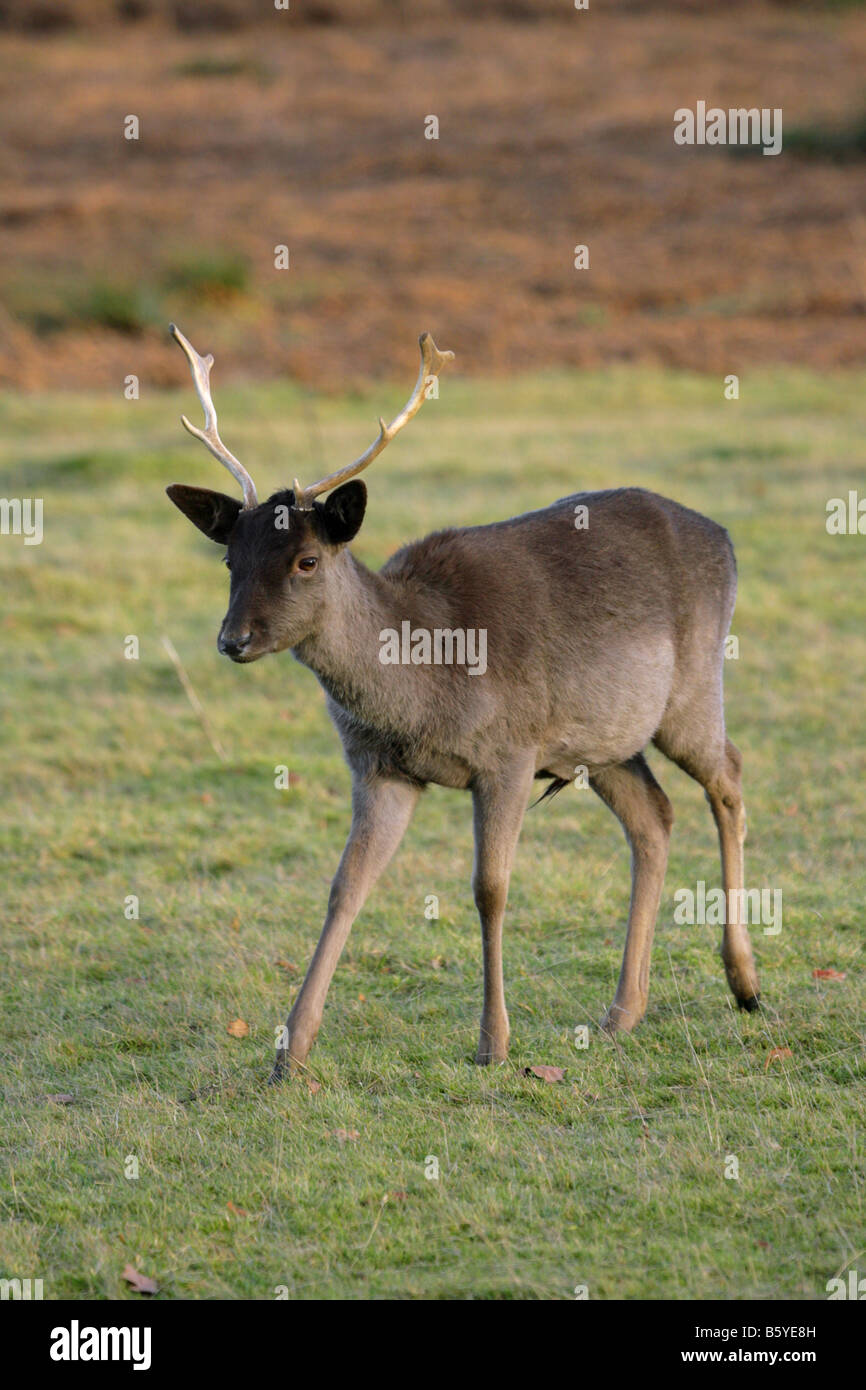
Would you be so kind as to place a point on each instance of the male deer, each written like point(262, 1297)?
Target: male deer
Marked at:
point(599, 641)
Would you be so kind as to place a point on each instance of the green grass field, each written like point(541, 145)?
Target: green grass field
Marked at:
point(614, 1178)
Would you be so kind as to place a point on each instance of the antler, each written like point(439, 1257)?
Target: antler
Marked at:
point(200, 368)
point(432, 362)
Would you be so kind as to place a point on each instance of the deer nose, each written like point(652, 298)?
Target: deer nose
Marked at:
point(235, 646)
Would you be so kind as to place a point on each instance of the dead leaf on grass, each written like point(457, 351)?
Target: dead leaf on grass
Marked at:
point(776, 1055)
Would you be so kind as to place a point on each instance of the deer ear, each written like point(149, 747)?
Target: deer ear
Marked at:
point(343, 512)
point(212, 512)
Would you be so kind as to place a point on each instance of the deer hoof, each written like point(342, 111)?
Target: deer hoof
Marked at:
point(491, 1052)
point(618, 1019)
point(750, 1004)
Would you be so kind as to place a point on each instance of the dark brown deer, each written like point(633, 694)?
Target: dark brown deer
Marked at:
point(600, 638)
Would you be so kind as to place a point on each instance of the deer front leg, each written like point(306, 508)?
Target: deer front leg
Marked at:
point(499, 805)
point(381, 811)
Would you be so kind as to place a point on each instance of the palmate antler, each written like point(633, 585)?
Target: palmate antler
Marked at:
point(432, 362)
point(200, 368)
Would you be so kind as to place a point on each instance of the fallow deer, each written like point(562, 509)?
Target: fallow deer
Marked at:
point(600, 641)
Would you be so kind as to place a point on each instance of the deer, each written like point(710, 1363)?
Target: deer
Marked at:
point(601, 639)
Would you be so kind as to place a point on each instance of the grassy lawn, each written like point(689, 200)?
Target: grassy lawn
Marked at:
point(614, 1178)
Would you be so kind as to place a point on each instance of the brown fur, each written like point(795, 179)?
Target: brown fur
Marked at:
point(599, 641)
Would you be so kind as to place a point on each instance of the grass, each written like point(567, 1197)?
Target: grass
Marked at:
point(218, 276)
point(613, 1178)
point(842, 142)
point(219, 66)
point(49, 304)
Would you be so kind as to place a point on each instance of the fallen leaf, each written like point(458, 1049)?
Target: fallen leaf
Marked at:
point(62, 1098)
point(362, 998)
point(438, 962)
point(313, 1086)
point(764, 1244)
point(828, 974)
point(235, 923)
point(286, 965)
point(544, 1073)
point(206, 798)
point(776, 1055)
point(140, 1282)
point(345, 1135)
point(398, 1196)
point(236, 1211)
point(238, 1029)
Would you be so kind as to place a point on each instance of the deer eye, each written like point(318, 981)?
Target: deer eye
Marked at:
point(308, 564)
point(227, 562)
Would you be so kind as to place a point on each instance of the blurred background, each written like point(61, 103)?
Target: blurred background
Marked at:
point(306, 127)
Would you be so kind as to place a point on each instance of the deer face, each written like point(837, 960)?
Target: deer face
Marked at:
point(280, 559)
point(282, 552)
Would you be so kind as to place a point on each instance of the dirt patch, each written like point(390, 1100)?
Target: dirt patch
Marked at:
point(552, 133)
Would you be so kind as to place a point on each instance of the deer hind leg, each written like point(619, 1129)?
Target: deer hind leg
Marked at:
point(724, 793)
point(646, 815)
point(703, 750)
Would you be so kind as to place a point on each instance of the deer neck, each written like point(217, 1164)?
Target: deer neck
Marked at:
point(344, 650)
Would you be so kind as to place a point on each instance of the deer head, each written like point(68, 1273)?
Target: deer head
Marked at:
point(283, 554)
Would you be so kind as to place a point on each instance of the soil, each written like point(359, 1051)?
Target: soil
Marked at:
point(555, 130)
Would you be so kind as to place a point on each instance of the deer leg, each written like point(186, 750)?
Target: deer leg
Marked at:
point(701, 748)
point(646, 816)
point(498, 808)
point(725, 797)
point(381, 811)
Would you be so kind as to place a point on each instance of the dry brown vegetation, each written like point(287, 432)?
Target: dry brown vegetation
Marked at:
point(556, 128)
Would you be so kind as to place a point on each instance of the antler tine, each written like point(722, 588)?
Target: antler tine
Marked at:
point(200, 368)
point(432, 362)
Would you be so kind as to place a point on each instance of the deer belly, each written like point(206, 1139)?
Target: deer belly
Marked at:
point(614, 712)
